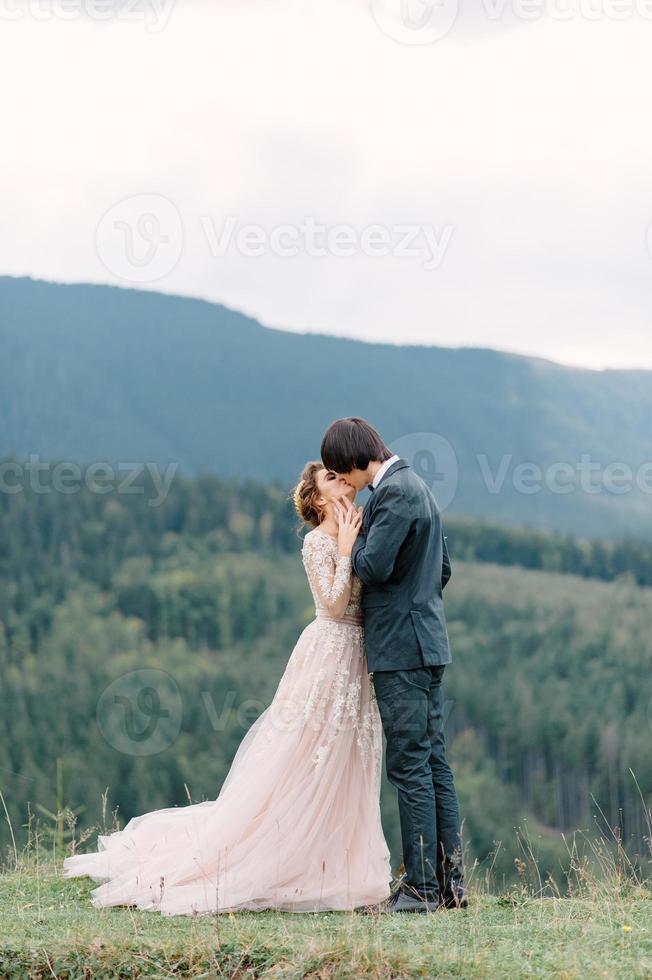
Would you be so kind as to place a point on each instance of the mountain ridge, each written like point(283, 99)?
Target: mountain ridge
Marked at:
point(504, 352)
point(93, 372)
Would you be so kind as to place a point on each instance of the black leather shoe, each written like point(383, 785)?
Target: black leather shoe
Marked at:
point(408, 899)
point(456, 898)
point(402, 898)
point(395, 887)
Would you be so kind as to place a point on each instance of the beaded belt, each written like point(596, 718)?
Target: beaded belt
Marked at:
point(352, 620)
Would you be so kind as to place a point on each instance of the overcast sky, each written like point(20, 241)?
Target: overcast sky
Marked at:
point(475, 176)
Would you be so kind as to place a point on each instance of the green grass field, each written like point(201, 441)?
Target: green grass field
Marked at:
point(48, 928)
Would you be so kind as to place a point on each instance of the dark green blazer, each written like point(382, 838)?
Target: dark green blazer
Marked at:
point(402, 559)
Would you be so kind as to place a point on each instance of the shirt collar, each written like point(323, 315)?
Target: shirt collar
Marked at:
point(383, 469)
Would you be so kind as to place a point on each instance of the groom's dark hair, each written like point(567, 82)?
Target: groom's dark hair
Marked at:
point(351, 444)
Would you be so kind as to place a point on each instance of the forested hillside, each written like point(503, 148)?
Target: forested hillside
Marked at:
point(188, 612)
point(97, 373)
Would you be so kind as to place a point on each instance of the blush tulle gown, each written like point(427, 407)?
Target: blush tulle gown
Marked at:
point(296, 825)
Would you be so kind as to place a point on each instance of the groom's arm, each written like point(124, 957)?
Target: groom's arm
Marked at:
point(374, 554)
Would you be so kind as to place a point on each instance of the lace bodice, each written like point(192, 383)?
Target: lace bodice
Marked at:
point(335, 589)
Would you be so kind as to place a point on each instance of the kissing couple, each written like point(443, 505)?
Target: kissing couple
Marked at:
point(296, 826)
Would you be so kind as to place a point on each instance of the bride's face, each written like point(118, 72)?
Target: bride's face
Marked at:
point(333, 487)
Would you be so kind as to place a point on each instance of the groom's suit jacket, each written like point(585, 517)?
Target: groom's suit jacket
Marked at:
point(402, 559)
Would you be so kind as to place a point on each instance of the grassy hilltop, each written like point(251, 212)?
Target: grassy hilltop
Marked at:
point(48, 928)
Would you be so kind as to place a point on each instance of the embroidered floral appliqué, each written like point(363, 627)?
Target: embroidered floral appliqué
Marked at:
point(335, 701)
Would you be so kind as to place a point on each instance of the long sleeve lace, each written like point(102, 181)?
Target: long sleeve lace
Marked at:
point(329, 574)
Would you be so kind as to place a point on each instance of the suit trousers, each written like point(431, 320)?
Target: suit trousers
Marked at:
point(411, 707)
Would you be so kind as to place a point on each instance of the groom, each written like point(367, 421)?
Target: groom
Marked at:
point(401, 557)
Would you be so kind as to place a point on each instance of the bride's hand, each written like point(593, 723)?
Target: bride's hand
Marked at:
point(349, 522)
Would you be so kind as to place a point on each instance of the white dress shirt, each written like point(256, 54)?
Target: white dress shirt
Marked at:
point(383, 469)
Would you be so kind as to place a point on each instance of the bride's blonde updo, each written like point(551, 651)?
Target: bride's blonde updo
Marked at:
point(306, 493)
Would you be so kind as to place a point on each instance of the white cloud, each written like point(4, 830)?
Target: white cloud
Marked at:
point(528, 139)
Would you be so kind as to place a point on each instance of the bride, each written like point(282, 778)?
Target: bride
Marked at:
point(296, 825)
